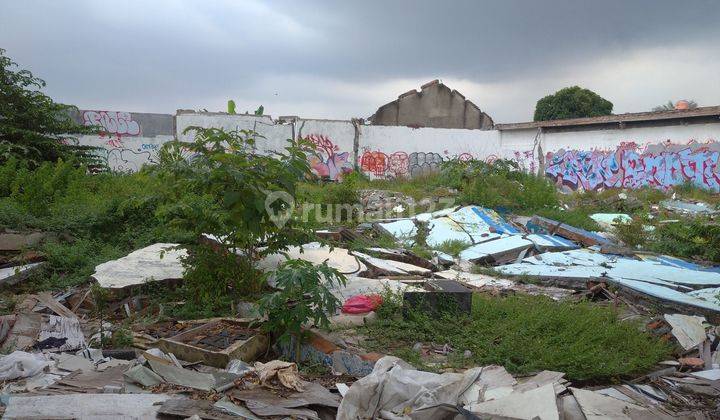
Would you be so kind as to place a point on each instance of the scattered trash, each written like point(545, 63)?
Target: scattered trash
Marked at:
point(688, 330)
point(20, 364)
point(361, 304)
point(277, 372)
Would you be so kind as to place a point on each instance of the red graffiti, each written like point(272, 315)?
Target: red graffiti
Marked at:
point(374, 162)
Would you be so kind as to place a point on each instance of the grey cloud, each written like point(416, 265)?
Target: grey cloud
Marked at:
point(159, 56)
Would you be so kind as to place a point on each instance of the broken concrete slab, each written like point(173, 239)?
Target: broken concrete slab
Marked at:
point(444, 229)
point(403, 230)
point(381, 267)
point(85, 406)
point(402, 255)
point(597, 406)
point(316, 253)
point(14, 275)
point(440, 295)
point(475, 280)
point(550, 243)
point(479, 221)
point(582, 236)
point(184, 377)
point(498, 251)
point(535, 403)
point(141, 375)
point(157, 262)
point(192, 409)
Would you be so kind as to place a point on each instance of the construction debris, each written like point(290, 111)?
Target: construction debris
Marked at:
point(158, 262)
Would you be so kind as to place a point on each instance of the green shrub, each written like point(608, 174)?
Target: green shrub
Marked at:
point(510, 189)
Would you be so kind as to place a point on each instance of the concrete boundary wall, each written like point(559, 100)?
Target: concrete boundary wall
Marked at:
point(658, 156)
point(128, 140)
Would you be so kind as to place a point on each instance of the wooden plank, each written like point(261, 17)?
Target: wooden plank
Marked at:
point(55, 306)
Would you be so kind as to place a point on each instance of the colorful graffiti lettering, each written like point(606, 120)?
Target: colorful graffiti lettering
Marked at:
point(327, 163)
point(374, 162)
point(112, 123)
point(660, 166)
point(401, 164)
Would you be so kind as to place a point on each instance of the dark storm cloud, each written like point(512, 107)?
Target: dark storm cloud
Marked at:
point(341, 59)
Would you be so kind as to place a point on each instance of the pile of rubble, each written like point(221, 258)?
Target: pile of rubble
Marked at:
point(226, 367)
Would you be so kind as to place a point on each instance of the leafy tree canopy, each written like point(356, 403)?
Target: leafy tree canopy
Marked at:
point(34, 128)
point(572, 102)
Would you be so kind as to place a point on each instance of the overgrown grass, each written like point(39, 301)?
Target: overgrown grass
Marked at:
point(92, 218)
point(695, 238)
point(579, 217)
point(527, 334)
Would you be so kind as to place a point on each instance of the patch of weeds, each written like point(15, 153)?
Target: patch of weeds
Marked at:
point(526, 279)
point(391, 306)
point(694, 192)
point(634, 234)
point(414, 358)
point(380, 241)
point(503, 185)
point(417, 187)
point(120, 339)
point(331, 203)
point(421, 251)
point(453, 247)
point(693, 238)
point(528, 334)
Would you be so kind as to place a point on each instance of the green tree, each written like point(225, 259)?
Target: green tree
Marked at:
point(242, 198)
point(34, 128)
point(572, 102)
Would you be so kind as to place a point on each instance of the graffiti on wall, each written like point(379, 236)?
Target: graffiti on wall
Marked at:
point(401, 164)
point(328, 162)
point(114, 124)
point(630, 166)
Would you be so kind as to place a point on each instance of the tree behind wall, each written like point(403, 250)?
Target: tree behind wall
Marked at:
point(34, 128)
point(572, 102)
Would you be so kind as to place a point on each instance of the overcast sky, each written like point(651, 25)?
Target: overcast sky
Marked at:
point(343, 59)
